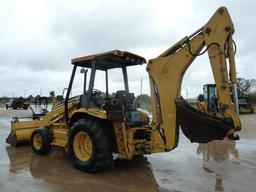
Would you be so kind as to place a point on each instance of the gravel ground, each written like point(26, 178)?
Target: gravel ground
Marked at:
point(216, 166)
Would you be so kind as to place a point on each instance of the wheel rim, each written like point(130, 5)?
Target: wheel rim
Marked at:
point(82, 146)
point(37, 141)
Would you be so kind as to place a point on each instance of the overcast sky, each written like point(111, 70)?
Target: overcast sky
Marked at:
point(38, 38)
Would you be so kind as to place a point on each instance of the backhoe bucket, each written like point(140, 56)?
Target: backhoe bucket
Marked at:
point(199, 127)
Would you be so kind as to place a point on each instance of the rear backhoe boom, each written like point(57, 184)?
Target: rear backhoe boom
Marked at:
point(167, 70)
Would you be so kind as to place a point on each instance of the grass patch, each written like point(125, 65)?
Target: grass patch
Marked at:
point(146, 107)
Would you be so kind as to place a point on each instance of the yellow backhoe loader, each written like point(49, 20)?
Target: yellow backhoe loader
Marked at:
point(245, 104)
point(92, 127)
point(209, 103)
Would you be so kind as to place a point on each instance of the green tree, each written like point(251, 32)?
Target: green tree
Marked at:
point(52, 94)
point(246, 86)
point(59, 98)
point(30, 98)
point(144, 101)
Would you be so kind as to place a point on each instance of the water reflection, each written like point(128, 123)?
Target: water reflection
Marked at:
point(57, 172)
point(19, 159)
point(216, 156)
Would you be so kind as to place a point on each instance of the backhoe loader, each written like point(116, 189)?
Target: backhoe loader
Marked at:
point(92, 127)
point(210, 102)
point(245, 104)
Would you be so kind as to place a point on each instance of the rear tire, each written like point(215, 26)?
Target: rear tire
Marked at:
point(97, 154)
point(41, 141)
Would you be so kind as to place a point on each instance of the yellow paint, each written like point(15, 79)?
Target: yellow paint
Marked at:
point(167, 70)
point(37, 141)
point(82, 146)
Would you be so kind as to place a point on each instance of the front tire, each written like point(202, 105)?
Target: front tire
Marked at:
point(41, 141)
point(90, 145)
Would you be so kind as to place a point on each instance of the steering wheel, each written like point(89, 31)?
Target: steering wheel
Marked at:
point(97, 97)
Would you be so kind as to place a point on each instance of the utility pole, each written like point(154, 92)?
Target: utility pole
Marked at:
point(25, 93)
point(141, 81)
point(187, 93)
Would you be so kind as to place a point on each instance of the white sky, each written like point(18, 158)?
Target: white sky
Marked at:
point(38, 38)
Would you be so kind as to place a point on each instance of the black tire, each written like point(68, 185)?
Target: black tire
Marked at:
point(6, 106)
point(46, 141)
point(14, 107)
point(102, 145)
point(25, 107)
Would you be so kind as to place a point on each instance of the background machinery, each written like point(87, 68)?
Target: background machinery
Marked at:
point(245, 104)
point(93, 126)
point(210, 96)
point(16, 103)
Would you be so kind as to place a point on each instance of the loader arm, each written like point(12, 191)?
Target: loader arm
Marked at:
point(166, 73)
point(21, 129)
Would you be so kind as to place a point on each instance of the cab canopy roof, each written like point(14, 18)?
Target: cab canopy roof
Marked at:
point(109, 60)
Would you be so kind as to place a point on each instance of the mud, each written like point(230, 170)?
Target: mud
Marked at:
point(216, 166)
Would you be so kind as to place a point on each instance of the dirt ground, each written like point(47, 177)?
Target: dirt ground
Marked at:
point(216, 166)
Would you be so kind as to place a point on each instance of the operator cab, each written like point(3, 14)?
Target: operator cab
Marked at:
point(210, 96)
point(122, 104)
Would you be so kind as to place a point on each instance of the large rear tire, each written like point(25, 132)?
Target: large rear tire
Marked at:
point(90, 145)
point(41, 141)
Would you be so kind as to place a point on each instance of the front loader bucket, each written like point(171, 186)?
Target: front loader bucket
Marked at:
point(11, 139)
point(21, 131)
point(19, 137)
point(199, 127)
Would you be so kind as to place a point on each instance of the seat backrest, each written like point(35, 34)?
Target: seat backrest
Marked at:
point(115, 110)
point(127, 99)
point(123, 96)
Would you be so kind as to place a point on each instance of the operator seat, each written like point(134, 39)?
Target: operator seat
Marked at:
point(123, 107)
point(127, 100)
